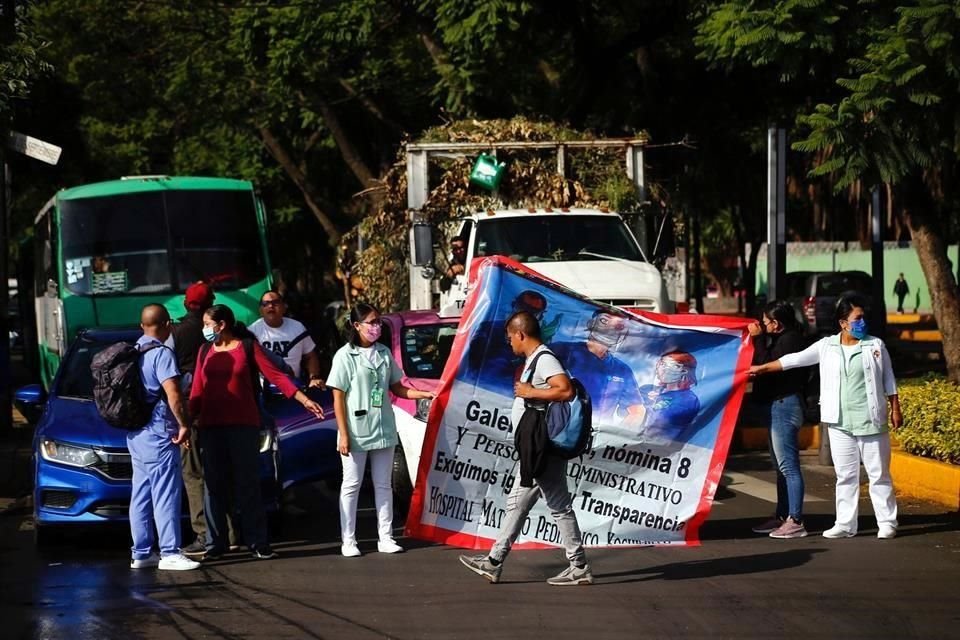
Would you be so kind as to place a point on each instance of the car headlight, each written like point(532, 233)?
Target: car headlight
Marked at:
point(68, 454)
point(266, 441)
point(423, 408)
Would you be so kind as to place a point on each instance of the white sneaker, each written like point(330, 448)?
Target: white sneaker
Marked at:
point(886, 532)
point(389, 546)
point(836, 531)
point(147, 563)
point(350, 550)
point(178, 562)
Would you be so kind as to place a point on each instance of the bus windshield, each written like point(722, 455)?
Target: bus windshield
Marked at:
point(557, 238)
point(160, 241)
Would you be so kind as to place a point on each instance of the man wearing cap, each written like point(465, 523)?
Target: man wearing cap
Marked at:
point(286, 337)
point(187, 338)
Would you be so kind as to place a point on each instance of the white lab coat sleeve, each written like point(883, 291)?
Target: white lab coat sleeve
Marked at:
point(889, 381)
point(805, 358)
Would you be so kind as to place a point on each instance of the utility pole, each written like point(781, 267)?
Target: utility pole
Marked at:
point(7, 34)
point(776, 213)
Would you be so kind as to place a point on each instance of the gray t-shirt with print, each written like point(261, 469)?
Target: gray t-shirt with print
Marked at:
point(547, 367)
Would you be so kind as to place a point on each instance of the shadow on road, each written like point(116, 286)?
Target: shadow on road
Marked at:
point(713, 567)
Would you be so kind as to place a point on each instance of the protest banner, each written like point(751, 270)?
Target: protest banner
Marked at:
point(666, 391)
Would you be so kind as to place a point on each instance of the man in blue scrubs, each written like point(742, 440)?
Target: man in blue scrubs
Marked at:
point(155, 451)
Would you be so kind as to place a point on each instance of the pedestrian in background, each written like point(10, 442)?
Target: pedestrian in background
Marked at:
point(780, 397)
point(901, 289)
point(540, 472)
point(186, 339)
point(362, 372)
point(856, 383)
point(224, 398)
point(287, 338)
point(155, 496)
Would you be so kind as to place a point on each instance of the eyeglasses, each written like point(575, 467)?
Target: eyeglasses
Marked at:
point(276, 302)
point(373, 323)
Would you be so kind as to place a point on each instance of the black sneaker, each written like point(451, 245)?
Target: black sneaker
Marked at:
point(195, 548)
point(263, 553)
point(211, 555)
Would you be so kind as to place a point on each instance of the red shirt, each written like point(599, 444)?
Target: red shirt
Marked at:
point(222, 392)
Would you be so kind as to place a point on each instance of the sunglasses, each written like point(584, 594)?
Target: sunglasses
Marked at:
point(271, 303)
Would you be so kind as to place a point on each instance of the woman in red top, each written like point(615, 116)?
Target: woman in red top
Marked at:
point(225, 407)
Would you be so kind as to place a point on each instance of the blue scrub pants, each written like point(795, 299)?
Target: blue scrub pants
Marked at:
point(156, 493)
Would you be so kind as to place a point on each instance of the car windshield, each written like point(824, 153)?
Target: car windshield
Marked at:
point(557, 238)
point(835, 284)
point(122, 244)
point(425, 349)
point(76, 381)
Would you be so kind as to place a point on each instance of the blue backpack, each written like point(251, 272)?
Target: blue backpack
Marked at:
point(569, 422)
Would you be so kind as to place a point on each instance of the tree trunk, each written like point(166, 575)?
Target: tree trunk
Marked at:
point(310, 195)
point(928, 240)
point(348, 150)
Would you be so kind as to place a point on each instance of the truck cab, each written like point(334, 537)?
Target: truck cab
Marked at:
point(590, 251)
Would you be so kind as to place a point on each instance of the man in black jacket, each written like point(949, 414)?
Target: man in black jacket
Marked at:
point(548, 382)
point(187, 339)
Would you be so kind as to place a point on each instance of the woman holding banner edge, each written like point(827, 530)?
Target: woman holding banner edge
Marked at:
point(856, 384)
point(360, 376)
point(779, 397)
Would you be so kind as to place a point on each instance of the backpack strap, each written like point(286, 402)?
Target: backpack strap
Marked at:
point(533, 365)
point(293, 343)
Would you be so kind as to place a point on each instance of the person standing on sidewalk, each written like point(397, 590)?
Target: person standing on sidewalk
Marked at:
point(901, 289)
point(856, 384)
point(361, 374)
point(224, 399)
point(548, 383)
point(779, 396)
point(155, 496)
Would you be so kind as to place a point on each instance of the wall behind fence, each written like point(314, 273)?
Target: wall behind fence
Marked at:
point(831, 256)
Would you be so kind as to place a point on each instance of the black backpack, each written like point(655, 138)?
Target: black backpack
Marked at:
point(118, 391)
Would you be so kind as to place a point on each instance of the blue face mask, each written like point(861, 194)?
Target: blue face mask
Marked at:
point(858, 329)
point(210, 335)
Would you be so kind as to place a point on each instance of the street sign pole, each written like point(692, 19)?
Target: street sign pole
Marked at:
point(6, 376)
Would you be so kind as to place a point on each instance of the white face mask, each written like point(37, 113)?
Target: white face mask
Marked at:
point(670, 371)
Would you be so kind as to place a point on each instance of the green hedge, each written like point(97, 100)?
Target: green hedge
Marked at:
point(931, 418)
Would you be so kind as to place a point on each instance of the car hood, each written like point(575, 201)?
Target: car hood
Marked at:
point(604, 279)
point(76, 421)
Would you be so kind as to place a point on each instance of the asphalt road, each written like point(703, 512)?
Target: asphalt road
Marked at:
point(736, 585)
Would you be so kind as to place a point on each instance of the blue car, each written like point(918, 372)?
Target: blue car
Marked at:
point(82, 466)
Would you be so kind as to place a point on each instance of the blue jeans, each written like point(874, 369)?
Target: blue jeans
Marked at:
point(786, 418)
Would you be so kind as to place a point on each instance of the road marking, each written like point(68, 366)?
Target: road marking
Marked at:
point(743, 483)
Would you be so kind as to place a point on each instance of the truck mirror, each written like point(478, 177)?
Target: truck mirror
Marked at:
point(421, 244)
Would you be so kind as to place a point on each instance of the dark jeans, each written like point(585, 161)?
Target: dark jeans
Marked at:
point(231, 475)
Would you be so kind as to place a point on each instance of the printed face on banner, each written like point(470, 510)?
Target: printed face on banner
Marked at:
point(664, 407)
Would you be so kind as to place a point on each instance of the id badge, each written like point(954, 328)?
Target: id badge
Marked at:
point(376, 397)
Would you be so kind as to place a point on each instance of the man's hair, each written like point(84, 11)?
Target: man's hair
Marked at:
point(153, 315)
point(274, 292)
point(524, 322)
point(462, 239)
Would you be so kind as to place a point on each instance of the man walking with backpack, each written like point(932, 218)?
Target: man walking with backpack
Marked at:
point(155, 451)
point(541, 471)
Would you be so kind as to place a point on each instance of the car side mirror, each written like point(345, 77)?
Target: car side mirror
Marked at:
point(29, 401)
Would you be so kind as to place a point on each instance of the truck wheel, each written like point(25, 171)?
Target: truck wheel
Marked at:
point(402, 487)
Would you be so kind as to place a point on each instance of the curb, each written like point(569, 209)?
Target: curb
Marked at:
point(758, 438)
point(926, 479)
point(913, 476)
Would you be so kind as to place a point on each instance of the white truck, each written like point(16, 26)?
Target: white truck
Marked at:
point(590, 251)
